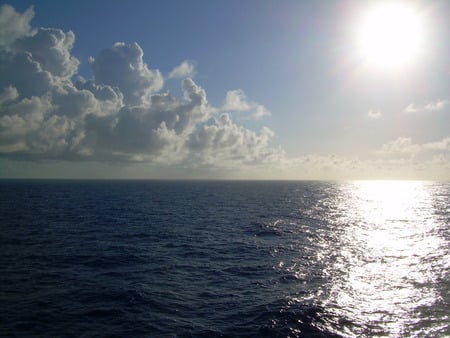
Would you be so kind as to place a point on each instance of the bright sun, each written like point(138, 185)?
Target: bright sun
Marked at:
point(390, 36)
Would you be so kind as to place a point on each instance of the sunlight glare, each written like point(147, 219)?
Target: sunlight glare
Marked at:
point(390, 237)
point(390, 36)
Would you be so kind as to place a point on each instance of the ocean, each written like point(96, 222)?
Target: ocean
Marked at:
point(138, 258)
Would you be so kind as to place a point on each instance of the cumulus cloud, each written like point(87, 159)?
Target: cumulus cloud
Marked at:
point(50, 48)
point(429, 107)
point(117, 115)
point(222, 139)
point(183, 70)
point(120, 114)
point(236, 101)
point(21, 71)
point(375, 114)
point(144, 132)
point(122, 66)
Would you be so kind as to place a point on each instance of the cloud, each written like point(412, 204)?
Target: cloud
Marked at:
point(122, 66)
point(118, 115)
point(121, 115)
point(183, 70)
point(21, 71)
point(438, 105)
point(51, 49)
point(142, 133)
point(13, 25)
point(410, 108)
point(8, 94)
point(405, 146)
point(314, 166)
point(375, 114)
point(223, 140)
point(429, 107)
point(236, 101)
point(401, 145)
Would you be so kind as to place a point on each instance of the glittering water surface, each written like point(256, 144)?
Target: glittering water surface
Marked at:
point(224, 259)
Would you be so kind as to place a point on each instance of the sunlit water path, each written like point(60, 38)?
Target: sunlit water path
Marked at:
point(225, 259)
point(388, 260)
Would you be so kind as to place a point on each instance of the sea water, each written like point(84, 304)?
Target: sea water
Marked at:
point(224, 259)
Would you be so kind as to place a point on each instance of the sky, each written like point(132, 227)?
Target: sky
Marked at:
point(225, 89)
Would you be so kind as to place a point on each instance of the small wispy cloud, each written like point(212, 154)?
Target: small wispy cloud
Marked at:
point(438, 105)
point(428, 107)
point(183, 70)
point(14, 25)
point(237, 101)
point(375, 114)
point(410, 108)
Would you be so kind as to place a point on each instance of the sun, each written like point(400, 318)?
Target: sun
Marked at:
point(390, 35)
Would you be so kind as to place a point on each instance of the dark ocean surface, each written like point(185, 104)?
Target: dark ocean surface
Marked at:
point(224, 259)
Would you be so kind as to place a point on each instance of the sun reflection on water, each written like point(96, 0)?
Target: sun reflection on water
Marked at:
point(389, 257)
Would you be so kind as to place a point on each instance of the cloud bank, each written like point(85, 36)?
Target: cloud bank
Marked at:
point(122, 115)
point(118, 115)
point(404, 146)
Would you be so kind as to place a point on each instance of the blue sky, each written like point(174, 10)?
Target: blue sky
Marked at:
point(285, 92)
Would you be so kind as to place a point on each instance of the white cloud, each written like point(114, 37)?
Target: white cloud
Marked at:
point(108, 99)
point(8, 94)
point(20, 122)
point(401, 145)
point(260, 111)
point(14, 25)
point(429, 107)
point(222, 141)
point(236, 101)
point(375, 114)
point(183, 70)
point(50, 48)
point(438, 105)
point(410, 108)
point(314, 166)
point(146, 132)
point(118, 115)
point(122, 66)
point(404, 146)
point(21, 71)
point(442, 145)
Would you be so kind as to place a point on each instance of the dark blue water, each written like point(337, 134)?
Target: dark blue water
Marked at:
point(224, 259)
